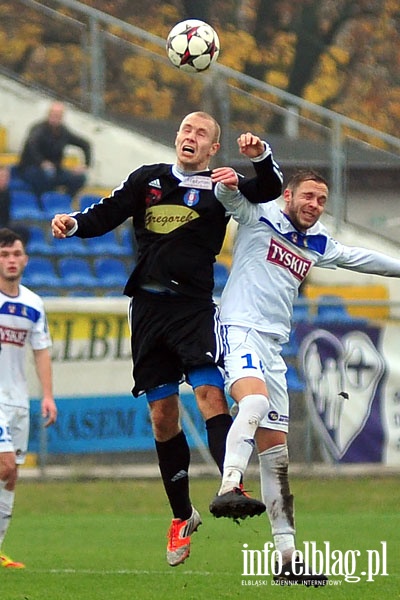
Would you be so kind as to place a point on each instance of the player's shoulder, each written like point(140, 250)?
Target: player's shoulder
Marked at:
point(147, 173)
point(155, 168)
point(28, 296)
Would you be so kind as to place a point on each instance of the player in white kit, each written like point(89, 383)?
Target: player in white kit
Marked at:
point(274, 250)
point(22, 323)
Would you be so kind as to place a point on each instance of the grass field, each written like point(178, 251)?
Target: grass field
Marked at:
point(100, 540)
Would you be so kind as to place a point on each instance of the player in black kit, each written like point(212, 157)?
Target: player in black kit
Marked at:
point(179, 228)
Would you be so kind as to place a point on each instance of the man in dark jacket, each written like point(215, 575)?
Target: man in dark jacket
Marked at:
point(43, 152)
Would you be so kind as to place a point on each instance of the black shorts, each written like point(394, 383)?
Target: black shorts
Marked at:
point(170, 336)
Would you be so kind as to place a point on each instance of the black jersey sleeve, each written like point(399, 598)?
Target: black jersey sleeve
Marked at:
point(266, 186)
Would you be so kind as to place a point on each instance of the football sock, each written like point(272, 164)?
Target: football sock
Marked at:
point(274, 466)
point(174, 460)
point(240, 439)
point(6, 509)
point(217, 430)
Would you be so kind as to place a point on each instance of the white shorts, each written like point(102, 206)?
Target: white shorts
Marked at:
point(252, 353)
point(14, 431)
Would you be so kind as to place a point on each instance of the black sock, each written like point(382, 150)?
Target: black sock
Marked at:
point(217, 430)
point(174, 460)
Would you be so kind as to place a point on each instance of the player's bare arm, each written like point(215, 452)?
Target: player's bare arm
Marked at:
point(61, 225)
point(250, 145)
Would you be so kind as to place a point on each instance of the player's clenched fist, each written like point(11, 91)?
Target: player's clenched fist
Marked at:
point(61, 225)
point(250, 145)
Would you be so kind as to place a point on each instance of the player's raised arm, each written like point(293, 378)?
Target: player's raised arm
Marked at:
point(250, 145)
point(61, 225)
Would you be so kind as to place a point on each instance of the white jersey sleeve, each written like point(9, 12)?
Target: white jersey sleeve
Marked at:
point(22, 322)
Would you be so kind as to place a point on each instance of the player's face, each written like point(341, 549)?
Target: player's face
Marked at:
point(12, 261)
point(195, 143)
point(305, 204)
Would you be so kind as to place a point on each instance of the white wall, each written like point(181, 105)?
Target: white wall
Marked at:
point(116, 151)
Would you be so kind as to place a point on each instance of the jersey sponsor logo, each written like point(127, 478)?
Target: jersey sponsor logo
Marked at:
point(191, 197)
point(280, 255)
point(167, 218)
point(155, 183)
point(9, 335)
point(275, 417)
point(201, 182)
point(153, 196)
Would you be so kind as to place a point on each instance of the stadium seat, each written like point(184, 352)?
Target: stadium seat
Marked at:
point(110, 272)
point(73, 246)
point(40, 272)
point(331, 309)
point(55, 202)
point(105, 245)
point(76, 273)
point(301, 313)
point(87, 200)
point(38, 242)
point(221, 274)
point(16, 183)
point(128, 242)
point(25, 206)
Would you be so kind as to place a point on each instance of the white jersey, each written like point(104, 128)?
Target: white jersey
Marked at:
point(271, 259)
point(22, 321)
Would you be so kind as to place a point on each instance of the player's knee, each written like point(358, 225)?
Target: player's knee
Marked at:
point(211, 401)
point(164, 415)
point(255, 406)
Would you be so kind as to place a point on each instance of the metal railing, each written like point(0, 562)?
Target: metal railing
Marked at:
point(117, 71)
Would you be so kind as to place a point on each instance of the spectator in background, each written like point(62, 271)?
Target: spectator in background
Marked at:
point(43, 152)
point(5, 205)
point(22, 323)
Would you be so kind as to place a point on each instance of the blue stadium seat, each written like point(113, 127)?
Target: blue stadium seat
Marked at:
point(73, 246)
point(331, 309)
point(128, 242)
point(38, 242)
point(16, 183)
point(76, 273)
point(110, 272)
point(25, 206)
point(40, 272)
point(55, 202)
point(105, 245)
point(221, 274)
point(87, 200)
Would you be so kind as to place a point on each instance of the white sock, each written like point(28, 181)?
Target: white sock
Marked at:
point(274, 465)
point(6, 509)
point(240, 439)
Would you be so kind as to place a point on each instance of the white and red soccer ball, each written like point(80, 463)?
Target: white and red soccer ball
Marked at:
point(192, 45)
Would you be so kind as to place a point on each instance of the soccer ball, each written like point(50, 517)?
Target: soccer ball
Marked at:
point(192, 45)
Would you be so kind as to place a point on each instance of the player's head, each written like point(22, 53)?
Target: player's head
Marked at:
point(305, 197)
point(197, 140)
point(13, 258)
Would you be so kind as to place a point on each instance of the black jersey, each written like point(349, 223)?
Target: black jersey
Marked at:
point(178, 222)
